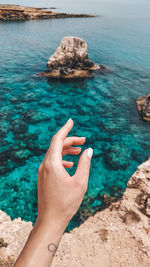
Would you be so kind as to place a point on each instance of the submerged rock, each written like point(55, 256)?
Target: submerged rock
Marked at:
point(143, 106)
point(118, 157)
point(32, 116)
point(13, 157)
point(4, 128)
point(21, 155)
point(19, 127)
point(71, 60)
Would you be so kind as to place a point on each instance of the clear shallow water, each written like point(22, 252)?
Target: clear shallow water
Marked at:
point(103, 108)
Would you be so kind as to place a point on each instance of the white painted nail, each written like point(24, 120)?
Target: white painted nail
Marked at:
point(69, 120)
point(90, 153)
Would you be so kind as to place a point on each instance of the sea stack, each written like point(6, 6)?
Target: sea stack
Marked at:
point(71, 60)
point(143, 106)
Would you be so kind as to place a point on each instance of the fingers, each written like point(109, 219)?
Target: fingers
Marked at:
point(67, 164)
point(83, 168)
point(71, 151)
point(57, 142)
point(74, 141)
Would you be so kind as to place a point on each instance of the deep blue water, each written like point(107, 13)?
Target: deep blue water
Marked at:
point(103, 108)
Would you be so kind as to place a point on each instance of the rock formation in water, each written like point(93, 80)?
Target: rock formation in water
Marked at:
point(143, 105)
point(71, 60)
point(116, 236)
point(118, 157)
point(19, 13)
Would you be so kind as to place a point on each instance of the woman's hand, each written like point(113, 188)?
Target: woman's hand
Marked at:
point(59, 197)
point(59, 194)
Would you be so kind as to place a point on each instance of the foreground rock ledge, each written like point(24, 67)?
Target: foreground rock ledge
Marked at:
point(19, 13)
point(116, 236)
point(143, 106)
point(71, 60)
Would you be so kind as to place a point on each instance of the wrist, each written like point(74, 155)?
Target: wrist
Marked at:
point(46, 224)
point(42, 243)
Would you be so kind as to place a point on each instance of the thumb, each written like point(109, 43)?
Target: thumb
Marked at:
point(84, 164)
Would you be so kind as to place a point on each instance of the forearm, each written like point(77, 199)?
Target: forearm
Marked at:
point(41, 245)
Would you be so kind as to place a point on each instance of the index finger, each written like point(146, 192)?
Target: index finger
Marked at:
point(56, 146)
point(63, 132)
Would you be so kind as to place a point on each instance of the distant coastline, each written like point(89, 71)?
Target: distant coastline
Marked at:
point(22, 13)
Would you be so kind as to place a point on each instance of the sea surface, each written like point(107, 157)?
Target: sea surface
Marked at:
point(103, 108)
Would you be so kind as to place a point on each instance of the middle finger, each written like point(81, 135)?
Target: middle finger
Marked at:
point(74, 141)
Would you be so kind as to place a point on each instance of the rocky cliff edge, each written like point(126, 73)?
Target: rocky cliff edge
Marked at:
point(116, 236)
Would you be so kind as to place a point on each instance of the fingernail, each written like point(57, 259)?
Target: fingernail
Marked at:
point(90, 153)
point(69, 120)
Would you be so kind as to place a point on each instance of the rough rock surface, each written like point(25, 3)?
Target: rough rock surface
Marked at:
point(13, 235)
point(143, 105)
point(19, 13)
point(71, 60)
point(116, 236)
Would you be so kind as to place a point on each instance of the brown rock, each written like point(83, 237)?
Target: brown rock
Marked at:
point(74, 75)
point(13, 235)
point(143, 106)
point(19, 13)
point(71, 60)
point(116, 236)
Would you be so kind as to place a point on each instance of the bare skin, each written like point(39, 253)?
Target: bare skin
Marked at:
point(59, 197)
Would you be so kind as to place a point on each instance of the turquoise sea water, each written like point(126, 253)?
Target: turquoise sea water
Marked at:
point(103, 108)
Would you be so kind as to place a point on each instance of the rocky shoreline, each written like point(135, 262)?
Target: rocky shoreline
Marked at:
point(21, 13)
point(116, 236)
point(143, 106)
